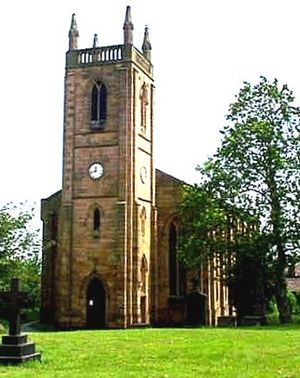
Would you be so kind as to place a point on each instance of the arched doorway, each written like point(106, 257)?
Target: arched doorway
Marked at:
point(95, 304)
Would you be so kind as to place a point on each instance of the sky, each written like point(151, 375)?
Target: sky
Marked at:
point(202, 51)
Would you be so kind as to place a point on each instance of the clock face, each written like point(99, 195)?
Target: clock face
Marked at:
point(143, 174)
point(96, 171)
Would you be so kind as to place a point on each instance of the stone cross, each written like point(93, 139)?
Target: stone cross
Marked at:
point(15, 299)
point(14, 348)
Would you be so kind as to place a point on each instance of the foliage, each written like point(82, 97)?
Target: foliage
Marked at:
point(212, 225)
point(255, 176)
point(212, 228)
point(201, 215)
point(3, 325)
point(297, 295)
point(19, 250)
point(293, 303)
point(250, 279)
point(16, 239)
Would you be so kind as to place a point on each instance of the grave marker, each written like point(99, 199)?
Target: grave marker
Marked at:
point(15, 348)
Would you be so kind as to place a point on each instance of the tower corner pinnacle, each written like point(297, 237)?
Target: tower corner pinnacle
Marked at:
point(95, 41)
point(128, 27)
point(73, 34)
point(146, 47)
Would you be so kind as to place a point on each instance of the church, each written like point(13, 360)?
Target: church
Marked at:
point(110, 235)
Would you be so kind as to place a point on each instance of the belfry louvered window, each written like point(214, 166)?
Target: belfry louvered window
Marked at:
point(98, 105)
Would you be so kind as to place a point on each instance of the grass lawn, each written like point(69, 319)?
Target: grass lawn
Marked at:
point(204, 352)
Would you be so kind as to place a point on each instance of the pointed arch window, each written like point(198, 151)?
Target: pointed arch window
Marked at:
point(177, 274)
point(53, 226)
point(143, 217)
point(144, 103)
point(172, 259)
point(97, 220)
point(144, 270)
point(98, 105)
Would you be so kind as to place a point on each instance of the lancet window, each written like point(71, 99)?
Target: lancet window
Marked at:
point(98, 105)
point(177, 274)
point(144, 103)
point(97, 220)
point(143, 221)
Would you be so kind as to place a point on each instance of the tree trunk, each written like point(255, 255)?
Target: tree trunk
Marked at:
point(281, 293)
point(282, 304)
point(281, 263)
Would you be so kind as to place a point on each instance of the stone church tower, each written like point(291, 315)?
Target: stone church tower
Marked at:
point(109, 244)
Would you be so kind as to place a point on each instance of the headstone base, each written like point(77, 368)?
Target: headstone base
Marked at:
point(141, 325)
point(16, 349)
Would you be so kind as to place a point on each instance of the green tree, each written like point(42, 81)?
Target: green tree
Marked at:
point(256, 173)
point(19, 249)
point(212, 228)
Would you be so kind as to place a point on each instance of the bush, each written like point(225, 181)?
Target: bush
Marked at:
point(272, 306)
point(3, 326)
point(293, 302)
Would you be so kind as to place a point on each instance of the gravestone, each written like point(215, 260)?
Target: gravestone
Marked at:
point(176, 311)
point(15, 348)
point(195, 308)
point(227, 321)
point(252, 320)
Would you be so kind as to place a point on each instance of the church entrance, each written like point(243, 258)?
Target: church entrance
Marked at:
point(96, 303)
